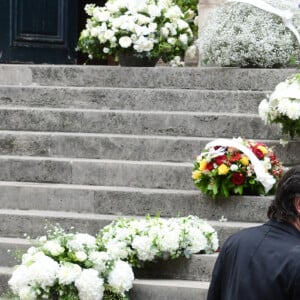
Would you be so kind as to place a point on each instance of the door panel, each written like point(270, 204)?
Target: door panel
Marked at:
point(39, 31)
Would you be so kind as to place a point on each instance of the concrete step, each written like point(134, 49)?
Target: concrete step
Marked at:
point(198, 267)
point(136, 122)
point(145, 289)
point(130, 201)
point(142, 174)
point(132, 98)
point(169, 289)
point(16, 223)
point(158, 77)
point(5, 274)
point(11, 249)
point(119, 146)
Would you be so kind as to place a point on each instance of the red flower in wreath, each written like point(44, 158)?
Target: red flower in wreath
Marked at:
point(237, 178)
point(259, 154)
point(220, 159)
point(235, 156)
point(209, 166)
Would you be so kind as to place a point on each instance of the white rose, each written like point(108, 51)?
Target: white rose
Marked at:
point(54, 248)
point(125, 41)
point(142, 19)
point(144, 247)
point(152, 27)
point(164, 32)
point(68, 273)
point(172, 28)
point(121, 277)
point(182, 24)
point(154, 10)
point(105, 50)
point(95, 31)
point(173, 12)
point(101, 16)
point(234, 168)
point(183, 38)
point(263, 110)
point(89, 285)
point(109, 34)
point(80, 256)
point(99, 260)
point(171, 41)
point(143, 44)
point(27, 293)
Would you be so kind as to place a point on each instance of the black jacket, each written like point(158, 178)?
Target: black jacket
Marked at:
point(260, 263)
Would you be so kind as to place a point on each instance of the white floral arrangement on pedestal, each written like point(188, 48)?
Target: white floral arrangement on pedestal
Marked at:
point(144, 240)
point(151, 28)
point(252, 33)
point(283, 106)
point(64, 266)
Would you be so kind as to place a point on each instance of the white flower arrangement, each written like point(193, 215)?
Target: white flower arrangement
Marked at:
point(151, 28)
point(69, 266)
point(243, 35)
point(283, 106)
point(141, 240)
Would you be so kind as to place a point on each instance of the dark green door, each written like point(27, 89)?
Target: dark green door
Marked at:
point(38, 31)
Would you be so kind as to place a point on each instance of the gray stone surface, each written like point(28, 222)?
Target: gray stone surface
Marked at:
point(56, 197)
point(96, 172)
point(159, 77)
point(130, 201)
point(5, 274)
point(129, 122)
point(132, 99)
point(116, 146)
point(10, 251)
point(198, 267)
point(16, 223)
point(169, 289)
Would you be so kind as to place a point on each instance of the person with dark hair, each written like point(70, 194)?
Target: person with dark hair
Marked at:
point(263, 262)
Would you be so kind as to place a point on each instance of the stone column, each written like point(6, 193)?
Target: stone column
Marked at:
point(205, 6)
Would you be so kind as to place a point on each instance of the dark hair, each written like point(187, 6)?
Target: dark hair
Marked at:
point(282, 207)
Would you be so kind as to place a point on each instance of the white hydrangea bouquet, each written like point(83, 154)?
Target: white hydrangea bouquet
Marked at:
point(69, 266)
point(150, 29)
point(252, 33)
point(283, 106)
point(147, 239)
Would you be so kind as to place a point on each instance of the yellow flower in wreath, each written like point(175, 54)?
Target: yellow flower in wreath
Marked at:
point(223, 169)
point(244, 160)
point(263, 149)
point(203, 164)
point(196, 174)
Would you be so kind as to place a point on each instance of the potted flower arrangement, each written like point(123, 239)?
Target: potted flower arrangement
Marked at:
point(236, 167)
point(145, 30)
point(283, 106)
point(69, 266)
point(149, 239)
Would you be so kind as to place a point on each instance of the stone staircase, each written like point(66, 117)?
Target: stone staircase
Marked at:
point(81, 146)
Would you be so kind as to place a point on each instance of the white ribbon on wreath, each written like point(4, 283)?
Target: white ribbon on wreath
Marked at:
point(265, 178)
point(285, 15)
